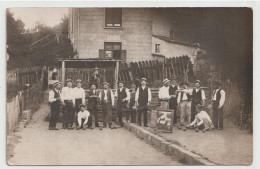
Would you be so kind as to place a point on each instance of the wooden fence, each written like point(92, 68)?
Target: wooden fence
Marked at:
point(178, 67)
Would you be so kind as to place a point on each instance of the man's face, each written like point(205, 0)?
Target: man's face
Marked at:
point(78, 84)
point(167, 84)
point(120, 85)
point(82, 108)
point(216, 86)
point(93, 87)
point(185, 86)
point(133, 89)
point(58, 87)
point(174, 82)
point(105, 86)
point(69, 84)
point(96, 71)
point(197, 85)
point(143, 82)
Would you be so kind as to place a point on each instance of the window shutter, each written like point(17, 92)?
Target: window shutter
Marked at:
point(123, 55)
point(101, 53)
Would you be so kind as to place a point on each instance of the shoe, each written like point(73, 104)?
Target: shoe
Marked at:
point(50, 128)
point(179, 127)
point(204, 130)
point(100, 128)
point(55, 128)
point(197, 130)
point(220, 128)
point(84, 127)
point(183, 128)
point(146, 126)
point(77, 128)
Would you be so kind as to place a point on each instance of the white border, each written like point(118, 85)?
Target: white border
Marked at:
point(255, 5)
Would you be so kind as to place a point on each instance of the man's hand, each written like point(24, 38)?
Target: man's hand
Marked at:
point(219, 107)
point(148, 104)
point(62, 103)
point(136, 104)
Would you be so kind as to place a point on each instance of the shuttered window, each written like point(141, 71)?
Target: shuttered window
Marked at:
point(113, 17)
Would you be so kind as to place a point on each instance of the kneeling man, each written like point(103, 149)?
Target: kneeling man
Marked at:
point(82, 115)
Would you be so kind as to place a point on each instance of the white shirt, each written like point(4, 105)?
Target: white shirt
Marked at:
point(51, 95)
point(164, 92)
point(222, 97)
point(202, 118)
point(149, 94)
point(83, 115)
point(67, 94)
point(184, 97)
point(203, 96)
point(79, 93)
point(105, 97)
point(127, 93)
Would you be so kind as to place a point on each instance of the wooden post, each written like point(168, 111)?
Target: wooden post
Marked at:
point(48, 70)
point(62, 73)
point(116, 74)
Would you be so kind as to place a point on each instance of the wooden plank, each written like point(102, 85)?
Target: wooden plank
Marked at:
point(63, 73)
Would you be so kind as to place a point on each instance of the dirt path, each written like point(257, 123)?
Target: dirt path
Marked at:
point(39, 146)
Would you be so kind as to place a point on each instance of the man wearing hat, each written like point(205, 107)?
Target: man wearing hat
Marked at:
point(198, 98)
point(218, 100)
point(173, 88)
point(82, 117)
point(79, 95)
point(95, 78)
point(92, 97)
point(164, 94)
point(54, 100)
point(68, 99)
point(184, 100)
point(123, 96)
point(106, 97)
point(143, 98)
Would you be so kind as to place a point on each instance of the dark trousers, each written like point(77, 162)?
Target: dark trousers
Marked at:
point(54, 116)
point(77, 109)
point(68, 114)
point(93, 114)
point(193, 110)
point(173, 106)
point(132, 114)
point(107, 113)
point(217, 116)
point(121, 107)
point(142, 110)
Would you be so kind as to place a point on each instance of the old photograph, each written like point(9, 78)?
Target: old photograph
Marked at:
point(135, 86)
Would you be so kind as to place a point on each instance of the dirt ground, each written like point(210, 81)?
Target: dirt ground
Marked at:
point(230, 146)
point(37, 145)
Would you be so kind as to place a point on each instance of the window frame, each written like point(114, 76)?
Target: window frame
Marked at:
point(157, 48)
point(113, 24)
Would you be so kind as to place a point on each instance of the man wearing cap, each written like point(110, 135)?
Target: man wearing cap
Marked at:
point(123, 96)
point(218, 100)
point(106, 97)
point(95, 78)
point(198, 98)
point(54, 100)
point(173, 88)
point(68, 100)
point(184, 100)
point(82, 117)
point(92, 97)
point(79, 95)
point(143, 98)
point(164, 94)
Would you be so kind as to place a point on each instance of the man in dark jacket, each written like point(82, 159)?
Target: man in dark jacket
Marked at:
point(92, 97)
point(95, 78)
point(173, 100)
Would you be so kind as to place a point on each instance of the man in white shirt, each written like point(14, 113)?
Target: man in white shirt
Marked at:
point(218, 100)
point(184, 101)
point(164, 94)
point(68, 100)
point(123, 96)
point(55, 101)
point(106, 97)
point(79, 95)
point(143, 98)
point(82, 117)
point(198, 98)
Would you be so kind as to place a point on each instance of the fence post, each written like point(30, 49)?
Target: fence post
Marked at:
point(63, 73)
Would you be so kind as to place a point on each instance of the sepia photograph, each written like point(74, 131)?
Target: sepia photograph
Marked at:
point(129, 86)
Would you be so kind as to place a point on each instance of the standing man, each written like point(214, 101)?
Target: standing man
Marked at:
point(198, 98)
point(123, 96)
point(107, 102)
point(164, 94)
point(218, 100)
point(173, 88)
point(68, 100)
point(92, 96)
point(95, 78)
point(143, 98)
point(132, 107)
point(79, 95)
point(184, 100)
point(54, 100)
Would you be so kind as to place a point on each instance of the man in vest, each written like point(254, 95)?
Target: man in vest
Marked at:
point(164, 94)
point(198, 98)
point(68, 100)
point(107, 102)
point(218, 100)
point(54, 100)
point(132, 107)
point(143, 98)
point(92, 96)
point(79, 95)
point(173, 100)
point(123, 96)
point(184, 101)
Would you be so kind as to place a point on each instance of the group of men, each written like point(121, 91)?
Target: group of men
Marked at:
point(85, 114)
point(191, 104)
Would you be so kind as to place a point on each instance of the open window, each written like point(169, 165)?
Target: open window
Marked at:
point(113, 50)
point(113, 17)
